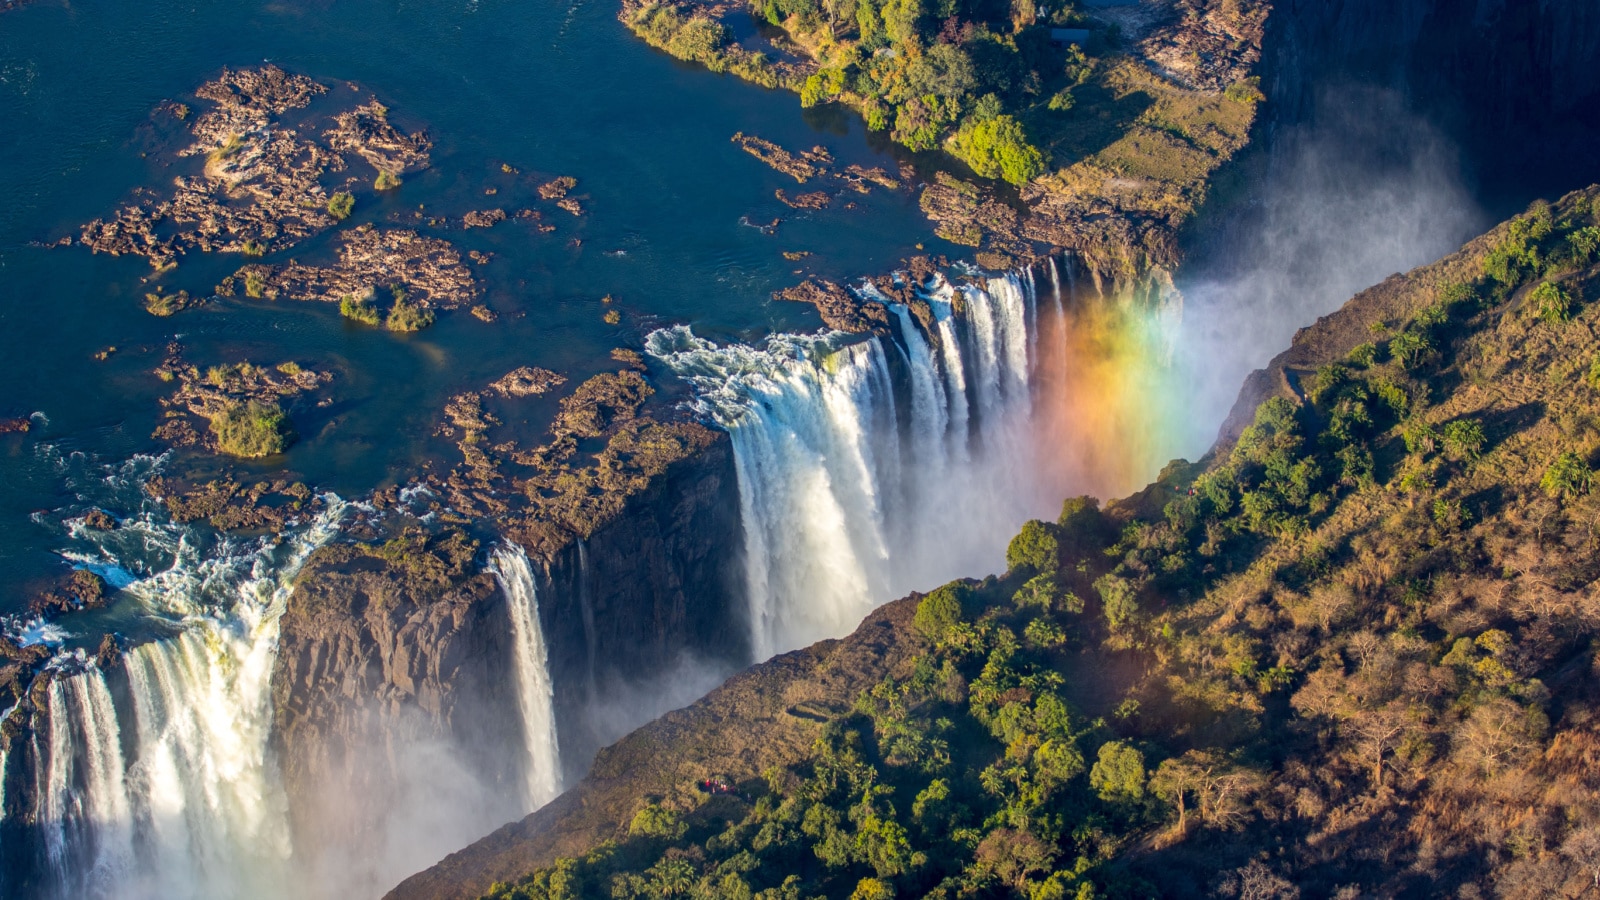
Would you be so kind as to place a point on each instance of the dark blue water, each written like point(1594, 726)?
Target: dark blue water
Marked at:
point(548, 88)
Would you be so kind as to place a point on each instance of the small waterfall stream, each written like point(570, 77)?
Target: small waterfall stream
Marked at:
point(535, 693)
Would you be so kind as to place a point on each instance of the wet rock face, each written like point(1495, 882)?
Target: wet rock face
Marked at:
point(656, 587)
point(389, 655)
point(389, 647)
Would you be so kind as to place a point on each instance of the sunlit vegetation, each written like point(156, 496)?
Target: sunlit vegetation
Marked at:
point(251, 429)
point(406, 315)
point(1352, 642)
point(340, 205)
point(360, 309)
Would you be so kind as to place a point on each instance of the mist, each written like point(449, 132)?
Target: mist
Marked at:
point(404, 798)
point(620, 706)
point(1367, 190)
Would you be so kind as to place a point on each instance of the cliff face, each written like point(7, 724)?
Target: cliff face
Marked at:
point(385, 670)
point(767, 715)
point(1513, 82)
point(653, 590)
point(394, 678)
point(1351, 655)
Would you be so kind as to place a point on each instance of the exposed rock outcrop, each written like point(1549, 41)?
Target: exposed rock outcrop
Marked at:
point(391, 655)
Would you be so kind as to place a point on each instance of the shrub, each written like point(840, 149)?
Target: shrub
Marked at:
point(998, 148)
point(1594, 372)
point(939, 610)
point(1450, 514)
point(255, 286)
point(1411, 348)
point(656, 821)
point(407, 316)
point(251, 429)
point(340, 205)
point(1246, 91)
point(1584, 243)
point(1035, 548)
point(163, 305)
point(359, 309)
point(1463, 439)
point(1420, 438)
point(1568, 476)
point(1119, 599)
point(1393, 396)
point(700, 40)
point(386, 181)
point(1329, 379)
point(872, 889)
point(1364, 355)
point(1061, 101)
point(1554, 302)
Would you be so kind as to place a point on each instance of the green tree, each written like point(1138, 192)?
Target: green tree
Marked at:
point(1568, 476)
point(1464, 439)
point(872, 889)
point(341, 204)
point(1118, 775)
point(1553, 301)
point(1120, 600)
point(884, 844)
point(1034, 549)
point(939, 610)
point(998, 148)
point(654, 820)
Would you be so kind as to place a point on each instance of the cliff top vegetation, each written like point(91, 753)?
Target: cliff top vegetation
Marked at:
point(1125, 112)
point(1349, 652)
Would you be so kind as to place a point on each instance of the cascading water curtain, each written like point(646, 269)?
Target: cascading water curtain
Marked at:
point(196, 808)
point(535, 691)
point(856, 486)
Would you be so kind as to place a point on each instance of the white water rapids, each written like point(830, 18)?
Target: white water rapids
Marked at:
point(856, 489)
point(196, 810)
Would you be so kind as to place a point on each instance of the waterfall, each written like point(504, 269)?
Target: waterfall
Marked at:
point(586, 611)
point(197, 809)
point(85, 809)
point(535, 693)
point(857, 486)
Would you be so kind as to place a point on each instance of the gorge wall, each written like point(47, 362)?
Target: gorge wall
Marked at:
point(395, 707)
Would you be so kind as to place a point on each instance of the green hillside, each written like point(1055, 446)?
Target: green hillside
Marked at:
point(1349, 652)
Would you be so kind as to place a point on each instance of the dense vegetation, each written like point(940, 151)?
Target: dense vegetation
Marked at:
point(1352, 651)
point(250, 428)
point(968, 75)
